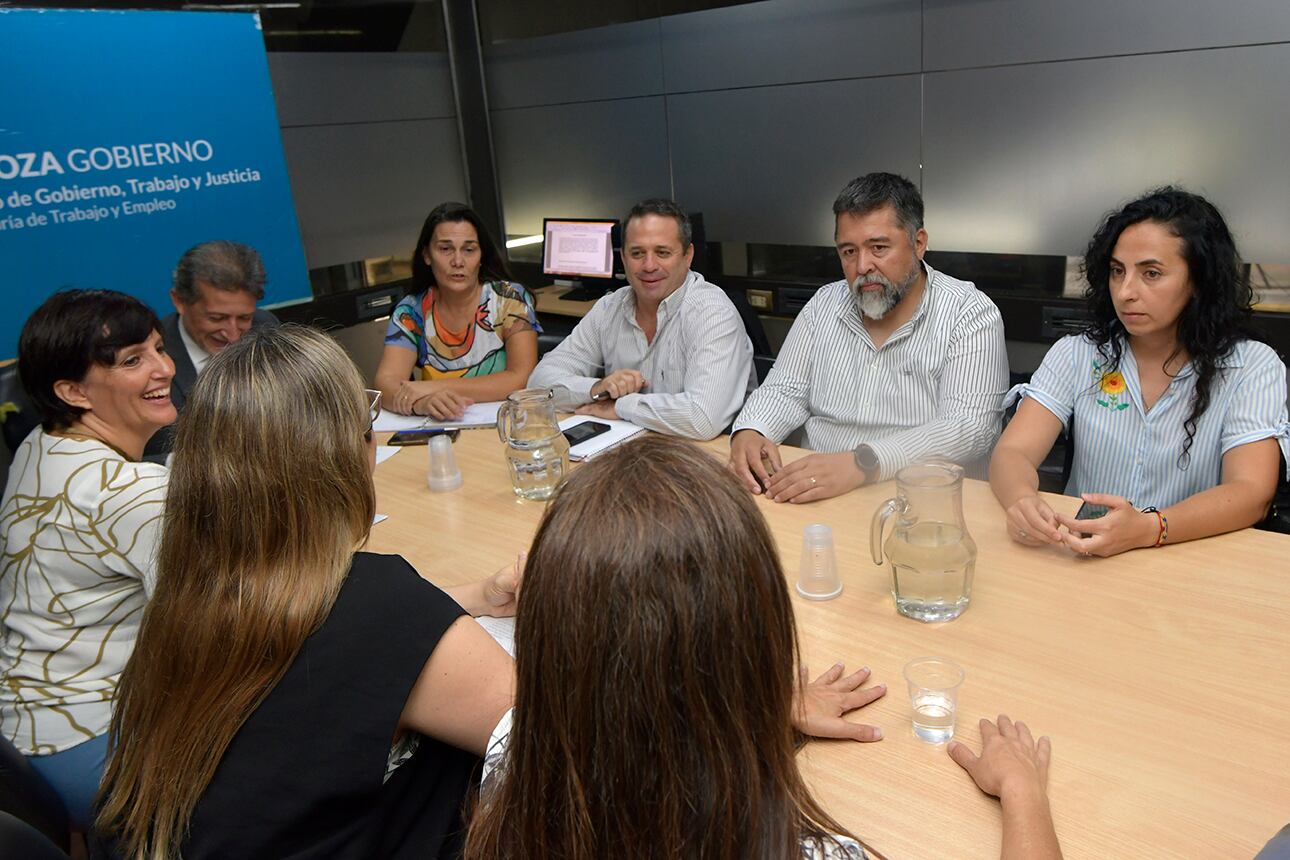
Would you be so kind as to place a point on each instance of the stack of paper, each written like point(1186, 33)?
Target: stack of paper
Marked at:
point(477, 415)
point(618, 433)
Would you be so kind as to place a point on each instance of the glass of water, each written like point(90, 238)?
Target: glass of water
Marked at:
point(933, 694)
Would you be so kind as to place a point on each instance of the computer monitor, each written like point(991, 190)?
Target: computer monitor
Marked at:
point(579, 252)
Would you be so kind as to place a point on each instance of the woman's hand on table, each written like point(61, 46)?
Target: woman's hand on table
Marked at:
point(496, 595)
point(1122, 528)
point(1032, 522)
point(408, 393)
point(442, 405)
point(819, 705)
point(1012, 763)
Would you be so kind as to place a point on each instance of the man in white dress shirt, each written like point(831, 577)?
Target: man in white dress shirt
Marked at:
point(895, 364)
point(669, 352)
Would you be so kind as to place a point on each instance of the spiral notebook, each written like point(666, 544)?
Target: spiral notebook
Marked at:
point(618, 433)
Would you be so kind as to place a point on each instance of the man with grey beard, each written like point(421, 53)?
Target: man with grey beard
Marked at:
point(895, 364)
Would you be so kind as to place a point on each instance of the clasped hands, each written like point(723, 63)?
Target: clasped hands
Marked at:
point(755, 461)
point(430, 398)
point(618, 384)
point(1033, 523)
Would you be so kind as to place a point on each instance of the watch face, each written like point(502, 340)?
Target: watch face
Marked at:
point(866, 459)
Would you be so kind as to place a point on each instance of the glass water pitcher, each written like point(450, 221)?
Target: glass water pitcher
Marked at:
point(537, 454)
point(931, 554)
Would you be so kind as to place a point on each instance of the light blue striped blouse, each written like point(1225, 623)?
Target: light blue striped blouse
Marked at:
point(1124, 451)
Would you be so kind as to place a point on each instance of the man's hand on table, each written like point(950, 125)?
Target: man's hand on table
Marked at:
point(815, 477)
point(753, 459)
point(618, 384)
point(599, 409)
point(819, 706)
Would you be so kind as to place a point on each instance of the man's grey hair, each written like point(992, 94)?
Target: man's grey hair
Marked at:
point(222, 264)
point(872, 191)
point(666, 208)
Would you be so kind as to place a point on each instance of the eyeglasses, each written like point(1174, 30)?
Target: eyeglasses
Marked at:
point(373, 410)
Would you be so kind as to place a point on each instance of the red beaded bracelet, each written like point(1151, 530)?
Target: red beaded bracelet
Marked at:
point(1164, 525)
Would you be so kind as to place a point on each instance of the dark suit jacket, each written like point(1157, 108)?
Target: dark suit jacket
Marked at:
point(185, 377)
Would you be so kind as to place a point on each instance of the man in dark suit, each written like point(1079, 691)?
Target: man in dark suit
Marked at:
point(215, 289)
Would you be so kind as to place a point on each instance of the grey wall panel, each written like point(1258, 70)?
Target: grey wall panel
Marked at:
point(363, 190)
point(965, 33)
point(763, 165)
point(618, 61)
point(786, 41)
point(314, 89)
point(1025, 159)
point(581, 160)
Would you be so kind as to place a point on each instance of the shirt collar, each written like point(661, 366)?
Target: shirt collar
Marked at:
point(669, 305)
point(198, 355)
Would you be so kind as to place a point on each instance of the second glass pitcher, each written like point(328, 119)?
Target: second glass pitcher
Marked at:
point(537, 454)
point(931, 554)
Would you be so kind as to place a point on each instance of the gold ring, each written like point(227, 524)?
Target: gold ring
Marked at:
point(812, 480)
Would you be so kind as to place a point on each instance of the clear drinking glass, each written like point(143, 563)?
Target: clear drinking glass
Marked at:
point(932, 556)
point(933, 695)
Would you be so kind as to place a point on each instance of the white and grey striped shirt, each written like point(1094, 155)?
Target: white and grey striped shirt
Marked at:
point(1126, 451)
point(698, 368)
point(934, 389)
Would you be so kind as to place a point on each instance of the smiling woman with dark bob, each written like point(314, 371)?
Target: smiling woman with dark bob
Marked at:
point(79, 519)
point(1176, 410)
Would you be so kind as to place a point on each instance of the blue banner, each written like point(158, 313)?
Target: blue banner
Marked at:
point(125, 139)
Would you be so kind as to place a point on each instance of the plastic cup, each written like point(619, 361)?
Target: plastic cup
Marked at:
point(443, 474)
point(818, 579)
point(933, 696)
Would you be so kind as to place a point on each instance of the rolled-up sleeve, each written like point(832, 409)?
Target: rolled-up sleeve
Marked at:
point(783, 402)
point(576, 364)
point(1055, 384)
point(1258, 410)
point(717, 367)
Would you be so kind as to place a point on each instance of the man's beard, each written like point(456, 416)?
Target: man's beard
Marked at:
point(876, 304)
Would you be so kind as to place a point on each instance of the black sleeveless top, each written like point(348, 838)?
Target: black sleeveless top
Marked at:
point(303, 777)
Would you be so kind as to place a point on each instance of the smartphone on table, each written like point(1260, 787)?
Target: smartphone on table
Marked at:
point(421, 437)
point(579, 433)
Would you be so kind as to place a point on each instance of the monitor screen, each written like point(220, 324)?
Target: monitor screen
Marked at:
point(578, 247)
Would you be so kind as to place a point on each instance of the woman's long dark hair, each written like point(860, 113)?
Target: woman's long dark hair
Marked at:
point(492, 265)
point(656, 665)
point(1219, 313)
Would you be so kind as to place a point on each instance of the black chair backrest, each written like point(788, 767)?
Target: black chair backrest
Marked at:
point(20, 839)
point(25, 795)
point(762, 358)
point(17, 416)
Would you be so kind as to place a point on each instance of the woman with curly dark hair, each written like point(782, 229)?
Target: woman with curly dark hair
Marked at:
point(1178, 414)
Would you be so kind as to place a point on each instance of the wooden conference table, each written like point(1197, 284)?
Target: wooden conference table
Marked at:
point(1162, 676)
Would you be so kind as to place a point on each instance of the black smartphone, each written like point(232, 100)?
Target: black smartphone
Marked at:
point(584, 431)
point(1089, 511)
point(420, 437)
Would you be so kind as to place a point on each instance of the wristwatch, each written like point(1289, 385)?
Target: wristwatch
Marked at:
point(866, 462)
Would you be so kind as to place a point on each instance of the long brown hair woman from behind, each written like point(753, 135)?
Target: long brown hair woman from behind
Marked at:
point(656, 655)
point(289, 696)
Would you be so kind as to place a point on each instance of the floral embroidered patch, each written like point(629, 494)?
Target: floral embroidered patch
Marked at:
point(1113, 389)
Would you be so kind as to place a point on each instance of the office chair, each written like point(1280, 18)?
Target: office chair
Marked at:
point(762, 358)
point(17, 416)
point(25, 795)
point(20, 839)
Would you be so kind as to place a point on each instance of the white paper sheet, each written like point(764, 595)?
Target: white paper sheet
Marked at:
point(501, 629)
point(385, 452)
point(618, 433)
point(477, 415)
